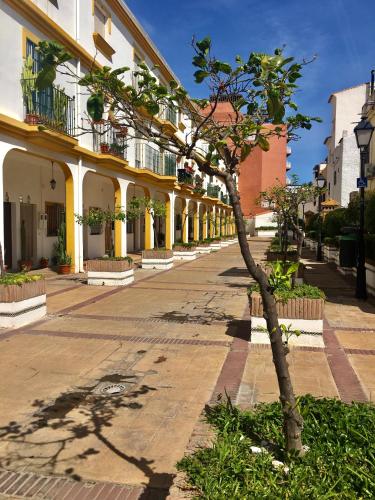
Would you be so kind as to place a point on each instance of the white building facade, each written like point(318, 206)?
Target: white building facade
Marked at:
point(88, 171)
point(343, 160)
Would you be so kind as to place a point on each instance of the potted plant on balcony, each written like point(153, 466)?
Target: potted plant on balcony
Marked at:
point(22, 299)
point(185, 251)
point(110, 271)
point(104, 148)
point(28, 78)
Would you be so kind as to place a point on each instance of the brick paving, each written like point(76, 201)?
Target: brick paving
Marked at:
point(177, 339)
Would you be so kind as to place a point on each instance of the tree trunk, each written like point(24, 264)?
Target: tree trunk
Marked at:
point(292, 419)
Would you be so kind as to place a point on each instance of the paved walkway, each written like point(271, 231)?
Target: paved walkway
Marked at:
point(173, 340)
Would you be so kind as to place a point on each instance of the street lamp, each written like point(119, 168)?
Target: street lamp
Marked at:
point(363, 133)
point(320, 182)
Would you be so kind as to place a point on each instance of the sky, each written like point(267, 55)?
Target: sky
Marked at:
point(338, 32)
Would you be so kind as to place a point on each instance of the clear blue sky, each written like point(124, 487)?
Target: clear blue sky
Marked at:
point(340, 32)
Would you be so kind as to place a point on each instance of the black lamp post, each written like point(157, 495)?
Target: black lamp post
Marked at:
point(363, 133)
point(320, 182)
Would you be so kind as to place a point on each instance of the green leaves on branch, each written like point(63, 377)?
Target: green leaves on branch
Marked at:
point(51, 55)
point(95, 106)
point(204, 45)
point(200, 75)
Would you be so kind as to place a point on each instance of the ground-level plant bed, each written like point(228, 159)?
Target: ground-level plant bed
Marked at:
point(247, 459)
point(110, 271)
point(157, 259)
point(184, 251)
point(22, 299)
point(301, 307)
point(204, 246)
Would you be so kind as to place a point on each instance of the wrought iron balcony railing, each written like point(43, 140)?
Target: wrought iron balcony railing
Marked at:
point(110, 139)
point(169, 114)
point(151, 158)
point(213, 191)
point(50, 107)
point(185, 177)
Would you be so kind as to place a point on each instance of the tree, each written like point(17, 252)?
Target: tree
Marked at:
point(286, 202)
point(260, 88)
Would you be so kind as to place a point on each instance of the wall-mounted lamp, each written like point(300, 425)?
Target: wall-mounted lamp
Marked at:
point(52, 182)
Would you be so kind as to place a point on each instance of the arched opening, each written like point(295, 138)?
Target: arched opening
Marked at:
point(192, 214)
point(38, 198)
point(136, 229)
point(202, 222)
point(179, 218)
point(98, 193)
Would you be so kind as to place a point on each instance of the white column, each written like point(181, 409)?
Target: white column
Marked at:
point(172, 198)
point(185, 236)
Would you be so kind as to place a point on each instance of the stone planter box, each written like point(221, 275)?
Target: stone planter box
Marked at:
point(265, 233)
point(204, 248)
point(215, 246)
point(157, 259)
point(305, 315)
point(109, 272)
point(331, 254)
point(182, 253)
point(272, 256)
point(22, 304)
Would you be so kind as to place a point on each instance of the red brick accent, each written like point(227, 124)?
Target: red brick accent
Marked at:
point(261, 347)
point(368, 352)
point(346, 380)
point(230, 377)
point(133, 338)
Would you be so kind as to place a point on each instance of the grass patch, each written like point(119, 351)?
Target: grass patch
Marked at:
point(19, 278)
point(339, 465)
point(299, 291)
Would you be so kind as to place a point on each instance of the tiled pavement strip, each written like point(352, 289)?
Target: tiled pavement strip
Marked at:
point(200, 306)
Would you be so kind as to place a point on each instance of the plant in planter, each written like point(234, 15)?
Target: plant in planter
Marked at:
point(104, 147)
point(110, 271)
point(22, 299)
point(63, 259)
point(44, 262)
point(157, 258)
point(185, 251)
point(300, 306)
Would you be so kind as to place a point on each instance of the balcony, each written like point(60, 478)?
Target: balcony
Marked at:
point(288, 165)
point(50, 107)
point(185, 177)
point(213, 191)
point(110, 139)
point(288, 150)
point(224, 198)
point(170, 115)
point(151, 158)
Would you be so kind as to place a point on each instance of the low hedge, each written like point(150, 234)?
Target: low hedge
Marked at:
point(303, 291)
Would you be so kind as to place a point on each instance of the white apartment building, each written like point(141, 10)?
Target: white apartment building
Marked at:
point(343, 160)
point(88, 171)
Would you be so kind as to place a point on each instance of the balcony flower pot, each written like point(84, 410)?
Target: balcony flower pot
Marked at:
point(25, 265)
point(184, 252)
point(157, 258)
point(110, 271)
point(302, 313)
point(22, 300)
point(104, 148)
point(44, 262)
point(32, 119)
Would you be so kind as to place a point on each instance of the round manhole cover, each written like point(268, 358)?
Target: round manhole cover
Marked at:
point(113, 389)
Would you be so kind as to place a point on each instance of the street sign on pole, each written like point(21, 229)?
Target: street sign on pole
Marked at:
point(361, 182)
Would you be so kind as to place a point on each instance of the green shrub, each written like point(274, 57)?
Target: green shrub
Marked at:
point(331, 242)
point(334, 221)
point(303, 291)
point(184, 245)
point(107, 257)
point(19, 278)
point(312, 223)
point(339, 464)
point(370, 246)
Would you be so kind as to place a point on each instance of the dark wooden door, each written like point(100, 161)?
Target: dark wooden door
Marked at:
point(8, 234)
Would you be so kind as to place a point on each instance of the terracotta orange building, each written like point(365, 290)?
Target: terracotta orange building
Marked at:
point(260, 171)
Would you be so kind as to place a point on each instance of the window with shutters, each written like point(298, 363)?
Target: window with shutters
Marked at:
point(33, 53)
point(101, 20)
point(55, 216)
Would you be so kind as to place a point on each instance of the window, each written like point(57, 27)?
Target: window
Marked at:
point(129, 227)
point(33, 53)
point(100, 20)
point(55, 216)
point(334, 178)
